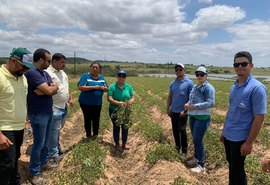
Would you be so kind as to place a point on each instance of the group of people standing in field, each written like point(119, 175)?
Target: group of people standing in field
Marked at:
point(35, 97)
point(120, 94)
point(35, 94)
point(244, 118)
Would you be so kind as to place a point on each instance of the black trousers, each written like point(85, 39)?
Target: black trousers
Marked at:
point(179, 125)
point(9, 158)
point(91, 114)
point(237, 174)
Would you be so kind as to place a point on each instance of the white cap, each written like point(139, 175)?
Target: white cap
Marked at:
point(201, 69)
point(179, 65)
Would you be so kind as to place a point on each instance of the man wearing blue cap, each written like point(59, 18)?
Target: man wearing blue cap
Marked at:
point(13, 88)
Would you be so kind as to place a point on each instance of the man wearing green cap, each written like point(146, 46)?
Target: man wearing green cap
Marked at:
point(13, 89)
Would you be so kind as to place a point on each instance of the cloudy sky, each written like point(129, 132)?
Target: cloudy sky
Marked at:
point(206, 32)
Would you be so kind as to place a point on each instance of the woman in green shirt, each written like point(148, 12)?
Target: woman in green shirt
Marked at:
point(120, 94)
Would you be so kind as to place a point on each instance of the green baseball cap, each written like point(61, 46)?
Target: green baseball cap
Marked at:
point(24, 56)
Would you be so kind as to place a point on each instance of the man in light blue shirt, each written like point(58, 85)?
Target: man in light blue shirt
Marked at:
point(179, 95)
point(244, 119)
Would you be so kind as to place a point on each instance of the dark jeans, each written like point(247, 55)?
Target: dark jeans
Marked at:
point(198, 129)
point(179, 131)
point(116, 130)
point(237, 174)
point(91, 114)
point(9, 158)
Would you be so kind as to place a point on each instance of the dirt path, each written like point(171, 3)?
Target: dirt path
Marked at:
point(70, 135)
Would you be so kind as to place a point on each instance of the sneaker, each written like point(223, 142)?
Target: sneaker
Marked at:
point(56, 159)
point(38, 180)
point(192, 163)
point(198, 169)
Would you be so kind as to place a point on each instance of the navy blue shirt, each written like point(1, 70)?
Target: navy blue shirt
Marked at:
point(37, 104)
point(93, 97)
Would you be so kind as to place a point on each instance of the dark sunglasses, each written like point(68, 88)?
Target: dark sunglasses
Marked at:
point(243, 64)
point(200, 74)
point(121, 76)
point(179, 69)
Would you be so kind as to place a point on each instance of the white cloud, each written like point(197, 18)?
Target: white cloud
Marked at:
point(142, 30)
point(218, 16)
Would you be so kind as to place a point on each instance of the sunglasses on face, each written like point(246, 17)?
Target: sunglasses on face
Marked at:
point(178, 69)
point(24, 67)
point(243, 64)
point(121, 76)
point(200, 74)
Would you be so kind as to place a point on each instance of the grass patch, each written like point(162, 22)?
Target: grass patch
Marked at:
point(84, 165)
point(162, 151)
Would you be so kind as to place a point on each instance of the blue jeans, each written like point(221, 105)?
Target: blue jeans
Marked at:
point(58, 121)
point(116, 130)
point(198, 129)
point(9, 158)
point(42, 126)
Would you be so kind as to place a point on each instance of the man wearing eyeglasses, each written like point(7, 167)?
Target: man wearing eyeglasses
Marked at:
point(13, 90)
point(180, 89)
point(244, 119)
point(39, 107)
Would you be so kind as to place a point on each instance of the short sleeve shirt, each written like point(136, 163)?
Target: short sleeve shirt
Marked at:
point(93, 97)
point(120, 94)
point(38, 104)
point(245, 102)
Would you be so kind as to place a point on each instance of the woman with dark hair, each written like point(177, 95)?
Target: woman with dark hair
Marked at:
point(121, 94)
point(92, 86)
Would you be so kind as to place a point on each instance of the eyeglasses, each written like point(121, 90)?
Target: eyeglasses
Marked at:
point(121, 76)
point(243, 64)
point(200, 74)
point(179, 69)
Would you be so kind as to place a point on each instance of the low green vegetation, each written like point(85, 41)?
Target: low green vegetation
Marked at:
point(85, 162)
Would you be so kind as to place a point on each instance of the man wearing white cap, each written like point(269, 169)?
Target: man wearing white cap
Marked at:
point(180, 89)
point(13, 89)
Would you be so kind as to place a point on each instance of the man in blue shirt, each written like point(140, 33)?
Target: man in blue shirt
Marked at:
point(180, 89)
point(244, 119)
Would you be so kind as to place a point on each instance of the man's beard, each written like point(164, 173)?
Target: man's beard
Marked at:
point(19, 73)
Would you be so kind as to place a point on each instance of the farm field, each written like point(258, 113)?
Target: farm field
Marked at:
point(152, 158)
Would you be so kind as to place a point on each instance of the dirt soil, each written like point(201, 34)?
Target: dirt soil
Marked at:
point(128, 167)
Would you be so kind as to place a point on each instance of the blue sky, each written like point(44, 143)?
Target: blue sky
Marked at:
point(196, 32)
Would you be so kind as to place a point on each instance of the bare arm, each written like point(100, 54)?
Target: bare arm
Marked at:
point(48, 90)
point(115, 102)
point(169, 102)
point(246, 148)
point(89, 88)
point(131, 100)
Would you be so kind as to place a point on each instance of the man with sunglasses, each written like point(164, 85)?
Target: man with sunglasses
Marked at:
point(179, 91)
point(13, 89)
point(244, 119)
